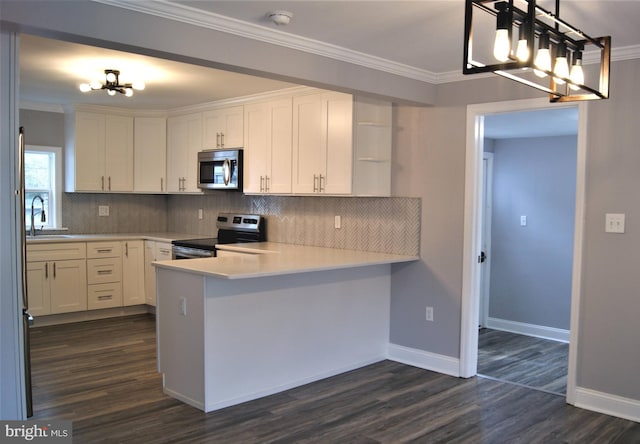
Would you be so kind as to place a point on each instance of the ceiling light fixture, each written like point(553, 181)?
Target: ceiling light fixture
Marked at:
point(112, 84)
point(280, 18)
point(489, 47)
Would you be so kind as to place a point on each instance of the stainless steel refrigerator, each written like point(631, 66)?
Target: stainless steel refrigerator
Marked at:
point(27, 319)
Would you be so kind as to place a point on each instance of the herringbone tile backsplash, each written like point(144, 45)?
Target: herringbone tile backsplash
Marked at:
point(388, 225)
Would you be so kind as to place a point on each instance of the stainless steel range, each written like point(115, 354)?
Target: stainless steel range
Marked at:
point(232, 228)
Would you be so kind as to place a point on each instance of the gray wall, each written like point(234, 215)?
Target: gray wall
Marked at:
point(531, 265)
point(429, 163)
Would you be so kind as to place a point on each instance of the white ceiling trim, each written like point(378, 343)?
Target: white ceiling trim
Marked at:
point(210, 20)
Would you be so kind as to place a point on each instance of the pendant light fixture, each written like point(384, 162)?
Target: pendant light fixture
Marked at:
point(548, 52)
point(112, 84)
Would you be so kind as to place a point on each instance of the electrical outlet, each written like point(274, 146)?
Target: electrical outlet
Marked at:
point(614, 223)
point(337, 222)
point(429, 313)
point(200, 214)
point(183, 306)
point(103, 210)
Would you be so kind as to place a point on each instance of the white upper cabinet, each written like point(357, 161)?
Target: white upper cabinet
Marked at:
point(268, 146)
point(184, 140)
point(99, 153)
point(322, 143)
point(150, 155)
point(222, 128)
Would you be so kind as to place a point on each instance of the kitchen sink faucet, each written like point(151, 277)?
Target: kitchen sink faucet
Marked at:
point(43, 216)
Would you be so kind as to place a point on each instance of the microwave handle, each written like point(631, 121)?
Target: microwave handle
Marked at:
point(226, 171)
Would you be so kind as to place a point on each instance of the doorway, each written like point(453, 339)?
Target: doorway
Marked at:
point(472, 280)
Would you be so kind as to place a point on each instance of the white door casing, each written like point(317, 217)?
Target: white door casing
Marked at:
point(473, 224)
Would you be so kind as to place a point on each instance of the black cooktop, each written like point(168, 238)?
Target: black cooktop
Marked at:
point(207, 243)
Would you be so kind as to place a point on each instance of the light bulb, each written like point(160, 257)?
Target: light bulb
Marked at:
point(577, 75)
point(85, 87)
point(502, 45)
point(543, 62)
point(95, 84)
point(111, 77)
point(111, 92)
point(128, 92)
point(522, 51)
point(561, 67)
point(138, 85)
point(543, 57)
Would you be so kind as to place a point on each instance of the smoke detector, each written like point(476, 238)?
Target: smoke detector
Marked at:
point(280, 18)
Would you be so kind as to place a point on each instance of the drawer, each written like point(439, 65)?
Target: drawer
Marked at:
point(101, 271)
point(104, 296)
point(56, 251)
point(104, 249)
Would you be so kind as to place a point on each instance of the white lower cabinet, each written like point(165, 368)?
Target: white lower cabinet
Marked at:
point(56, 278)
point(104, 275)
point(133, 292)
point(153, 251)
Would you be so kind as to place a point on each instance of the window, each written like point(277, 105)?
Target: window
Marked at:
point(42, 177)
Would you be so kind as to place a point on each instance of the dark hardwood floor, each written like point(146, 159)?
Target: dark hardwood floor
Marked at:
point(102, 376)
point(532, 362)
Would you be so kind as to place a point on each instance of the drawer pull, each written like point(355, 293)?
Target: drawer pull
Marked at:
point(105, 272)
point(104, 250)
point(105, 297)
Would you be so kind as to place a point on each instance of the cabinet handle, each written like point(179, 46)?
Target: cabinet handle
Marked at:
point(315, 183)
point(217, 140)
point(261, 184)
point(105, 297)
point(221, 140)
point(164, 251)
point(46, 270)
point(266, 183)
point(161, 184)
point(321, 187)
point(104, 250)
point(102, 186)
point(103, 272)
point(126, 249)
point(54, 270)
point(109, 183)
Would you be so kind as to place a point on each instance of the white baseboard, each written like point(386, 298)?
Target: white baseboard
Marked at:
point(608, 404)
point(423, 359)
point(537, 331)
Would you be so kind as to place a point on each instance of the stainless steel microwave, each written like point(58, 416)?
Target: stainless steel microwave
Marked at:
point(220, 169)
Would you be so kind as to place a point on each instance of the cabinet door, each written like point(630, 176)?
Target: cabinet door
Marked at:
point(149, 273)
point(339, 151)
point(256, 147)
point(183, 143)
point(118, 153)
point(133, 277)
point(68, 281)
point(89, 152)
point(223, 128)
point(150, 155)
point(38, 288)
point(309, 142)
point(280, 137)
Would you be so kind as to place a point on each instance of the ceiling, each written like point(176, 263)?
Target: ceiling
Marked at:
point(420, 37)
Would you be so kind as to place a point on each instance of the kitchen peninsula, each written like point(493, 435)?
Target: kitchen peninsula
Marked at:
point(243, 326)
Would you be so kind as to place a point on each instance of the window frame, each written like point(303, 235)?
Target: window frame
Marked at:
point(54, 211)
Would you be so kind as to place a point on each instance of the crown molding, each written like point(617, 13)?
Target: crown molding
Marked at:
point(210, 20)
point(40, 106)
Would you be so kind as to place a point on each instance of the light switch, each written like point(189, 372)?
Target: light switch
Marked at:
point(614, 223)
point(523, 221)
point(103, 210)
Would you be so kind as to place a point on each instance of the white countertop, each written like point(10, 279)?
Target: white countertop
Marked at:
point(159, 236)
point(280, 259)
